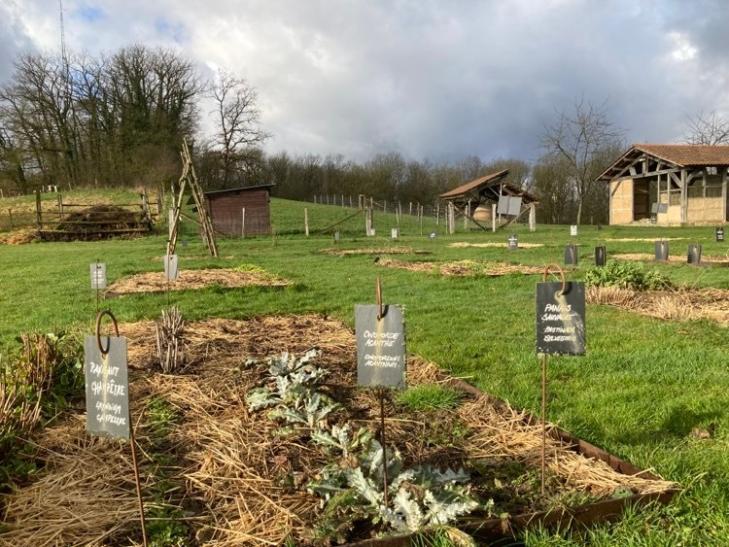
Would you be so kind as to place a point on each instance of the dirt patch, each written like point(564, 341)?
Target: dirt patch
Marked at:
point(195, 279)
point(240, 481)
point(462, 268)
point(22, 236)
point(679, 305)
point(494, 244)
point(647, 257)
point(372, 251)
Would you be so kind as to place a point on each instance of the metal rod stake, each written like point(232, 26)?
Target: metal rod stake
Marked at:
point(137, 481)
point(384, 443)
point(544, 418)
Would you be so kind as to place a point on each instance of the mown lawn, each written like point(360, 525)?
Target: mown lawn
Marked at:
point(640, 390)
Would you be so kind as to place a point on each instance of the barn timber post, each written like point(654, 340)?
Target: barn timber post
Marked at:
point(684, 197)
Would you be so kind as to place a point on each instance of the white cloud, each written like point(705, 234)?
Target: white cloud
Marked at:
point(427, 78)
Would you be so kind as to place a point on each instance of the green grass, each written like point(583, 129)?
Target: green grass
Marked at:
point(429, 397)
point(641, 388)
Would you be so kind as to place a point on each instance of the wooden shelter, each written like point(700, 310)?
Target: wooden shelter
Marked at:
point(478, 200)
point(241, 211)
point(669, 184)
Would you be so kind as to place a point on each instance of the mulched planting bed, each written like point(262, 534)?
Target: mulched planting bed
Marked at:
point(372, 251)
point(22, 236)
point(646, 257)
point(492, 244)
point(683, 304)
point(463, 268)
point(195, 279)
point(235, 476)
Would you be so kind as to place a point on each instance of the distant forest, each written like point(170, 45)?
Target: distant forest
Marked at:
point(119, 119)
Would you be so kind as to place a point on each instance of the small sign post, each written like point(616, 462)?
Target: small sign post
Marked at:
point(560, 330)
point(600, 255)
point(719, 233)
point(513, 242)
point(573, 230)
point(381, 357)
point(661, 250)
point(171, 272)
point(107, 394)
point(98, 279)
point(571, 257)
point(694, 254)
point(394, 233)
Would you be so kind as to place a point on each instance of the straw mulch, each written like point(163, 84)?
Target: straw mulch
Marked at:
point(677, 305)
point(238, 481)
point(21, 236)
point(646, 257)
point(195, 279)
point(371, 251)
point(463, 268)
point(464, 245)
point(646, 239)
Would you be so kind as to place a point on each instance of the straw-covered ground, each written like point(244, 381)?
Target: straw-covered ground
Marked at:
point(395, 250)
point(196, 279)
point(226, 476)
point(646, 257)
point(462, 268)
point(21, 236)
point(492, 245)
point(683, 304)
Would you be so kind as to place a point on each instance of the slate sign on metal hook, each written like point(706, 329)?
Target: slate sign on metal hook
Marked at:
point(107, 387)
point(561, 318)
point(380, 346)
point(98, 275)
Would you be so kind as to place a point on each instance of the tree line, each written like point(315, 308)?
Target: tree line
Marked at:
point(119, 120)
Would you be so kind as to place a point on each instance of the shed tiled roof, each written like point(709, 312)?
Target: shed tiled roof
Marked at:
point(688, 155)
point(481, 181)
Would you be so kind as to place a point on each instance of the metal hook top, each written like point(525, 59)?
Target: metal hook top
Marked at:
point(101, 314)
point(378, 298)
point(555, 269)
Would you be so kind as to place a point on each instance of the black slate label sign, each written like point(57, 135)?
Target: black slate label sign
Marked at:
point(570, 255)
point(661, 250)
point(98, 275)
point(600, 255)
point(694, 254)
point(561, 318)
point(380, 346)
point(107, 387)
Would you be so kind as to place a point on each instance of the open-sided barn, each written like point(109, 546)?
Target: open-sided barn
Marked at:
point(670, 184)
point(231, 208)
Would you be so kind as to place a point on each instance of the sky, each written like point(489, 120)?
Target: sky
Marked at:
point(428, 79)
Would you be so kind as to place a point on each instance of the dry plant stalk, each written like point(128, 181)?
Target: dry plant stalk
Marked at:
point(170, 341)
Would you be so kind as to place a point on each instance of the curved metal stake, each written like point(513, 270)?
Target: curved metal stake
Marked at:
point(133, 441)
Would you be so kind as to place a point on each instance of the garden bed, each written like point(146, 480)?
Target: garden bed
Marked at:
point(463, 268)
point(233, 477)
point(21, 236)
point(493, 244)
point(150, 282)
point(647, 257)
point(684, 304)
point(373, 251)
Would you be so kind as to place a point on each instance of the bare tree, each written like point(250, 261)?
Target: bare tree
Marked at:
point(238, 121)
point(579, 138)
point(708, 129)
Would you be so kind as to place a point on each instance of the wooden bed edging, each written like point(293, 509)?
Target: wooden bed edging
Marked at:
point(590, 513)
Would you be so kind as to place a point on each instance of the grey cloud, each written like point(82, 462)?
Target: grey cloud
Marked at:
point(441, 79)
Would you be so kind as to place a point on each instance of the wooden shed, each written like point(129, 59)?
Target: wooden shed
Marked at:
point(669, 184)
point(230, 208)
point(478, 198)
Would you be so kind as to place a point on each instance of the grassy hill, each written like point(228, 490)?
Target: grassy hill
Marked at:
point(642, 388)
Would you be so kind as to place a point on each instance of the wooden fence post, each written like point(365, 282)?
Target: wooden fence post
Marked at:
point(493, 217)
point(532, 217)
point(243, 223)
point(306, 221)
